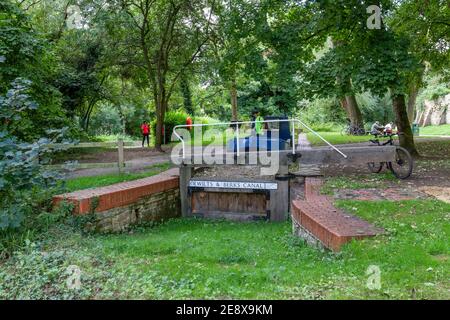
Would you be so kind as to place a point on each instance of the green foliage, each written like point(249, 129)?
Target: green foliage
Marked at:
point(209, 120)
point(187, 96)
point(321, 111)
point(434, 88)
point(19, 44)
point(133, 120)
point(172, 119)
point(106, 121)
point(269, 99)
point(23, 178)
point(375, 108)
point(26, 54)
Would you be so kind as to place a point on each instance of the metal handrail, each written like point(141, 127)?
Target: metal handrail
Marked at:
point(236, 123)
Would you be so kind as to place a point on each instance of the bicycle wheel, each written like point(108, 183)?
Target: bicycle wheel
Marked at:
point(375, 167)
point(361, 132)
point(402, 167)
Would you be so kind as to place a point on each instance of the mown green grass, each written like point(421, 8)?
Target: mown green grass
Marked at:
point(190, 258)
point(108, 179)
point(336, 138)
point(262, 260)
point(443, 130)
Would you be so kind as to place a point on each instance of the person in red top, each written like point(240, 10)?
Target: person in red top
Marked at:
point(189, 123)
point(145, 129)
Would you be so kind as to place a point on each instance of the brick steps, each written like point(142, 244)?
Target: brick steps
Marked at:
point(326, 223)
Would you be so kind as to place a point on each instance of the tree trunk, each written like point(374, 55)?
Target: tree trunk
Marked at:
point(405, 136)
point(187, 95)
point(344, 104)
point(160, 115)
point(353, 111)
point(233, 93)
point(412, 97)
point(349, 102)
point(86, 117)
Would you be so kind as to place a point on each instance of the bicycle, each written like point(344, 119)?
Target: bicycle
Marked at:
point(353, 130)
point(401, 168)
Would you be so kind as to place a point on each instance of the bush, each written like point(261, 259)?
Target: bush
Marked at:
point(322, 111)
point(209, 120)
point(134, 121)
point(172, 119)
point(106, 121)
point(23, 178)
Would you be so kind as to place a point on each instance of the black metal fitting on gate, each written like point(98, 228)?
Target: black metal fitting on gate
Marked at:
point(283, 177)
point(294, 156)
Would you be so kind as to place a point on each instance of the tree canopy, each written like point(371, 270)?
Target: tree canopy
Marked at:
point(219, 58)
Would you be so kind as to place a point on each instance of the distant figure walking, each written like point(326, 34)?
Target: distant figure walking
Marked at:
point(145, 128)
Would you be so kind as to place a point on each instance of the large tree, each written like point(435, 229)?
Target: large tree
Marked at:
point(367, 59)
point(309, 48)
point(236, 54)
point(162, 39)
point(426, 25)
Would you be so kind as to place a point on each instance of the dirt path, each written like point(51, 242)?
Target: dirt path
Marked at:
point(135, 165)
point(432, 168)
point(136, 159)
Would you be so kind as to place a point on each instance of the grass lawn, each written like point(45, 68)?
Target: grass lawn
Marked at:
point(359, 181)
point(336, 138)
point(108, 179)
point(190, 258)
point(442, 130)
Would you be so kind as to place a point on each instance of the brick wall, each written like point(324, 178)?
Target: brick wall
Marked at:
point(118, 206)
point(155, 207)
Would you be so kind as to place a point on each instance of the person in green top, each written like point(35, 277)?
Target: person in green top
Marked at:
point(259, 124)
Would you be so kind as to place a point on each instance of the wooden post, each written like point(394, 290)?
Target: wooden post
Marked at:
point(185, 177)
point(121, 155)
point(279, 199)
